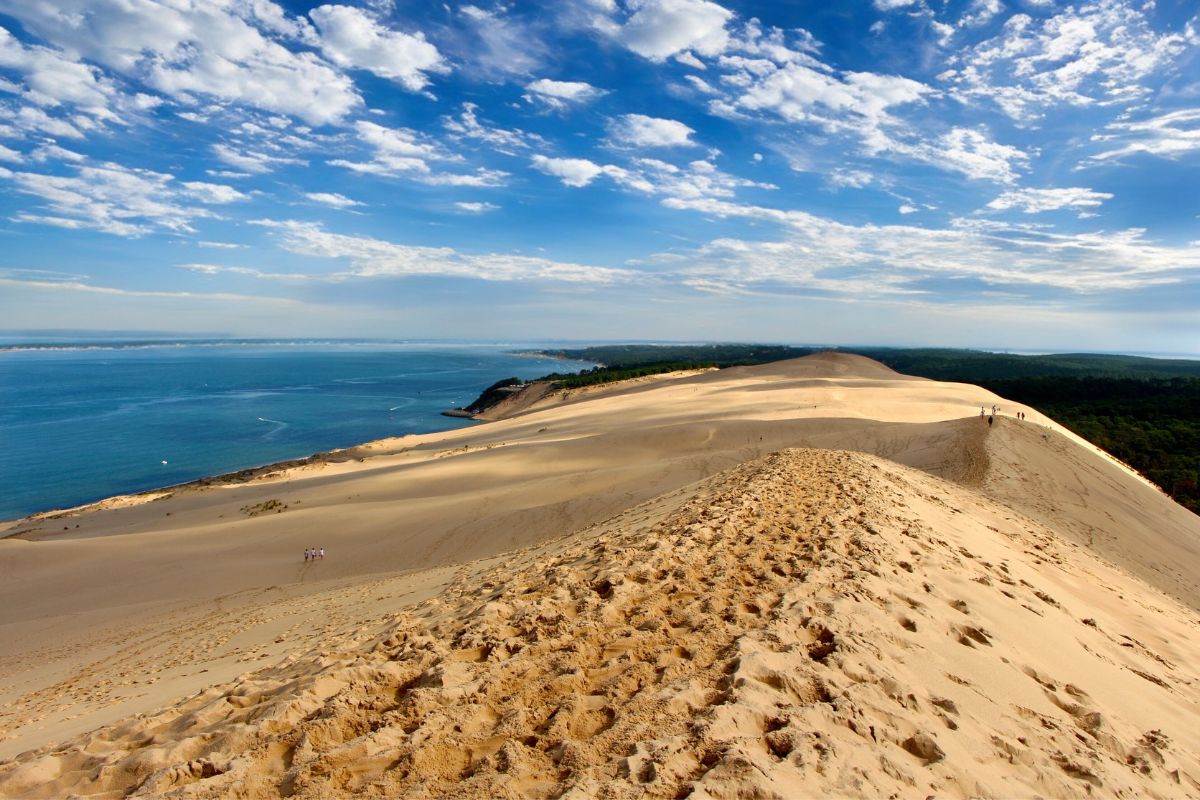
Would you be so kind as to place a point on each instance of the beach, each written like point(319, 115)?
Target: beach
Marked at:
point(807, 578)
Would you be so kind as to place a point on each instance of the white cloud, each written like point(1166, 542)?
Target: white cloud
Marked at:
point(482, 177)
point(117, 200)
point(220, 245)
point(864, 260)
point(650, 176)
point(571, 171)
point(375, 258)
point(222, 49)
point(405, 152)
point(892, 5)
point(77, 286)
point(31, 119)
point(864, 106)
point(561, 94)
point(332, 199)
point(659, 29)
point(507, 141)
point(905, 208)
point(850, 178)
point(638, 130)
point(980, 12)
point(52, 152)
point(475, 207)
point(858, 104)
point(1035, 201)
point(1089, 54)
point(974, 154)
point(396, 150)
point(250, 161)
point(8, 154)
point(498, 44)
point(51, 79)
point(1169, 135)
point(213, 192)
point(352, 39)
point(222, 269)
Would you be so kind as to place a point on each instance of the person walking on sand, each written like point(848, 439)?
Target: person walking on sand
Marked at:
point(306, 555)
point(322, 553)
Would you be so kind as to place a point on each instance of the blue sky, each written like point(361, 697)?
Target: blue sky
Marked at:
point(989, 173)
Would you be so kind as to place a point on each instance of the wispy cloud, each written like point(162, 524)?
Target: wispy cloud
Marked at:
point(333, 200)
point(1171, 135)
point(1034, 201)
point(369, 257)
point(119, 200)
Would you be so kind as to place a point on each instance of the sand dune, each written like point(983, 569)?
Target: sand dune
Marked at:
point(597, 613)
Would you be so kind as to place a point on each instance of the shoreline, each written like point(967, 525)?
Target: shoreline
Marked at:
point(252, 474)
point(231, 478)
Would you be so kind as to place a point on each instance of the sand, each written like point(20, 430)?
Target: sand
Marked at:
point(643, 591)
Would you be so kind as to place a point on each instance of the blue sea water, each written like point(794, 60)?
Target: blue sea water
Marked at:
point(78, 424)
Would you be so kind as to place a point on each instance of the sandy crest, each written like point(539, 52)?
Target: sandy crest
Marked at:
point(810, 624)
point(142, 606)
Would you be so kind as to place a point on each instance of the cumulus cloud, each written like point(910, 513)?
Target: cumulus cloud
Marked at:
point(119, 200)
point(980, 12)
point(52, 79)
point(801, 93)
point(196, 48)
point(571, 171)
point(1035, 201)
point(215, 193)
point(639, 130)
point(408, 153)
point(350, 38)
point(1088, 54)
point(973, 153)
point(865, 107)
point(659, 29)
point(396, 150)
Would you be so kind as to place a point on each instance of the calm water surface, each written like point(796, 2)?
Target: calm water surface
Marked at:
point(78, 425)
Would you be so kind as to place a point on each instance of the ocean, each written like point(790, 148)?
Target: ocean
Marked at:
point(79, 423)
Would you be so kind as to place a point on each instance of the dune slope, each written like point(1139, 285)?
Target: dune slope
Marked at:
point(133, 605)
point(811, 623)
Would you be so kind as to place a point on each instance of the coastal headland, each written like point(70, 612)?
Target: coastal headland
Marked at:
point(811, 577)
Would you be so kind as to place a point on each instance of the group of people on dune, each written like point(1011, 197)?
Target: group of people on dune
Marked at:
point(995, 410)
point(313, 553)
